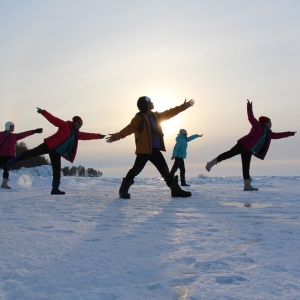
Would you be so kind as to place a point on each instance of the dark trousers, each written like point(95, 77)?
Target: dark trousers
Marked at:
point(245, 156)
point(55, 158)
point(3, 161)
point(158, 161)
point(178, 164)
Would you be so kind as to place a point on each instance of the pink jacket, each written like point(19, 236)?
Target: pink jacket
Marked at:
point(64, 131)
point(249, 140)
point(8, 148)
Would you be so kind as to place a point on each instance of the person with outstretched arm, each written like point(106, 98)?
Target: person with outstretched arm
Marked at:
point(180, 153)
point(8, 141)
point(256, 142)
point(63, 143)
point(149, 144)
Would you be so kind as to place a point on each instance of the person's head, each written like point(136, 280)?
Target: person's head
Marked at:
point(144, 104)
point(266, 121)
point(183, 132)
point(77, 121)
point(9, 126)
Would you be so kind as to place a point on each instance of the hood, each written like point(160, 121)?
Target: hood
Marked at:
point(8, 124)
point(180, 137)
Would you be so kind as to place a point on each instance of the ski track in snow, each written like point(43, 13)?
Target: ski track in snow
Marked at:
point(222, 243)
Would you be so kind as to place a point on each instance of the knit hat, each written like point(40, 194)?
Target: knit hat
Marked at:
point(183, 132)
point(264, 119)
point(8, 124)
point(142, 103)
point(76, 118)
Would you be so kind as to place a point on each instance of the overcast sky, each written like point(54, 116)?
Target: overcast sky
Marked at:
point(96, 58)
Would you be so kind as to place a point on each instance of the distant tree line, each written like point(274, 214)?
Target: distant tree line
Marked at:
point(81, 171)
point(41, 160)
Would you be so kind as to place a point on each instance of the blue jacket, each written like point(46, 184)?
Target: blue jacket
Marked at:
point(182, 144)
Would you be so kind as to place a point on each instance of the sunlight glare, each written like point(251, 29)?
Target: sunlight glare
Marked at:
point(164, 100)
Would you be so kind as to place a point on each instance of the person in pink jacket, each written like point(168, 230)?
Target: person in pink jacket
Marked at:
point(8, 141)
point(256, 142)
point(61, 144)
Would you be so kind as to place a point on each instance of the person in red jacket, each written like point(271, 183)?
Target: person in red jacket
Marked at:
point(8, 141)
point(61, 144)
point(256, 143)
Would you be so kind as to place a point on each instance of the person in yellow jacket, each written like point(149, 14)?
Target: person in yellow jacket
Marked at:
point(149, 144)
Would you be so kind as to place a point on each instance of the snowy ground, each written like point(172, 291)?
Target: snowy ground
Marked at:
point(222, 243)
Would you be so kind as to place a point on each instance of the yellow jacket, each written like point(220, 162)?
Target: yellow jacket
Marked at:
point(143, 137)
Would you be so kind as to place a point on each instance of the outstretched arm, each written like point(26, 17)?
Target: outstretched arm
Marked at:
point(281, 135)
point(53, 120)
point(253, 121)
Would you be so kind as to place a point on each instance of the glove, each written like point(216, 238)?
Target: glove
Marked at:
point(38, 130)
point(39, 110)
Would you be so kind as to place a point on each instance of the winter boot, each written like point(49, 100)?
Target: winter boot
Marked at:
point(125, 185)
point(11, 162)
point(4, 184)
point(210, 164)
point(248, 186)
point(55, 189)
point(176, 190)
point(183, 182)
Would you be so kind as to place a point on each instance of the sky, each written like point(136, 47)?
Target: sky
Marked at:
point(96, 58)
point(220, 243)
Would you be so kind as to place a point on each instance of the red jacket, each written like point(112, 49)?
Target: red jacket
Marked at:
point(8, 148)
point(249, 140)
point(64, 131)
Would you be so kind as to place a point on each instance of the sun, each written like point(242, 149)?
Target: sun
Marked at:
point(163, 100)
point(170, 127)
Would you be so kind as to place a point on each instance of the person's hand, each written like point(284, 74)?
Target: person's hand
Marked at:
point(294, 132)
point(111, 138)
point(189, 103)
point(39, 110)
point(248, 102)
point(172, 157)
point(200, 135)
point(102, 136)
point(38, 130)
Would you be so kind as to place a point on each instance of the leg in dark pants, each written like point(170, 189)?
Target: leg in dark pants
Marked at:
point(128, 180)
point(159, 162)
point(3, 161)
point(55, 158)
point(179, 164)
point(176, 166)
point(245, 156)
point(39, 150)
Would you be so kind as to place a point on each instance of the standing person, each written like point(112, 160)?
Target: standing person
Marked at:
point(149, 144)
point(8, 141)
point(61, 144)
point(256, 142)
point(179, 154)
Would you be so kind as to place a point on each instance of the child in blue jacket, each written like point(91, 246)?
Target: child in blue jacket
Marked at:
point(179, 153)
